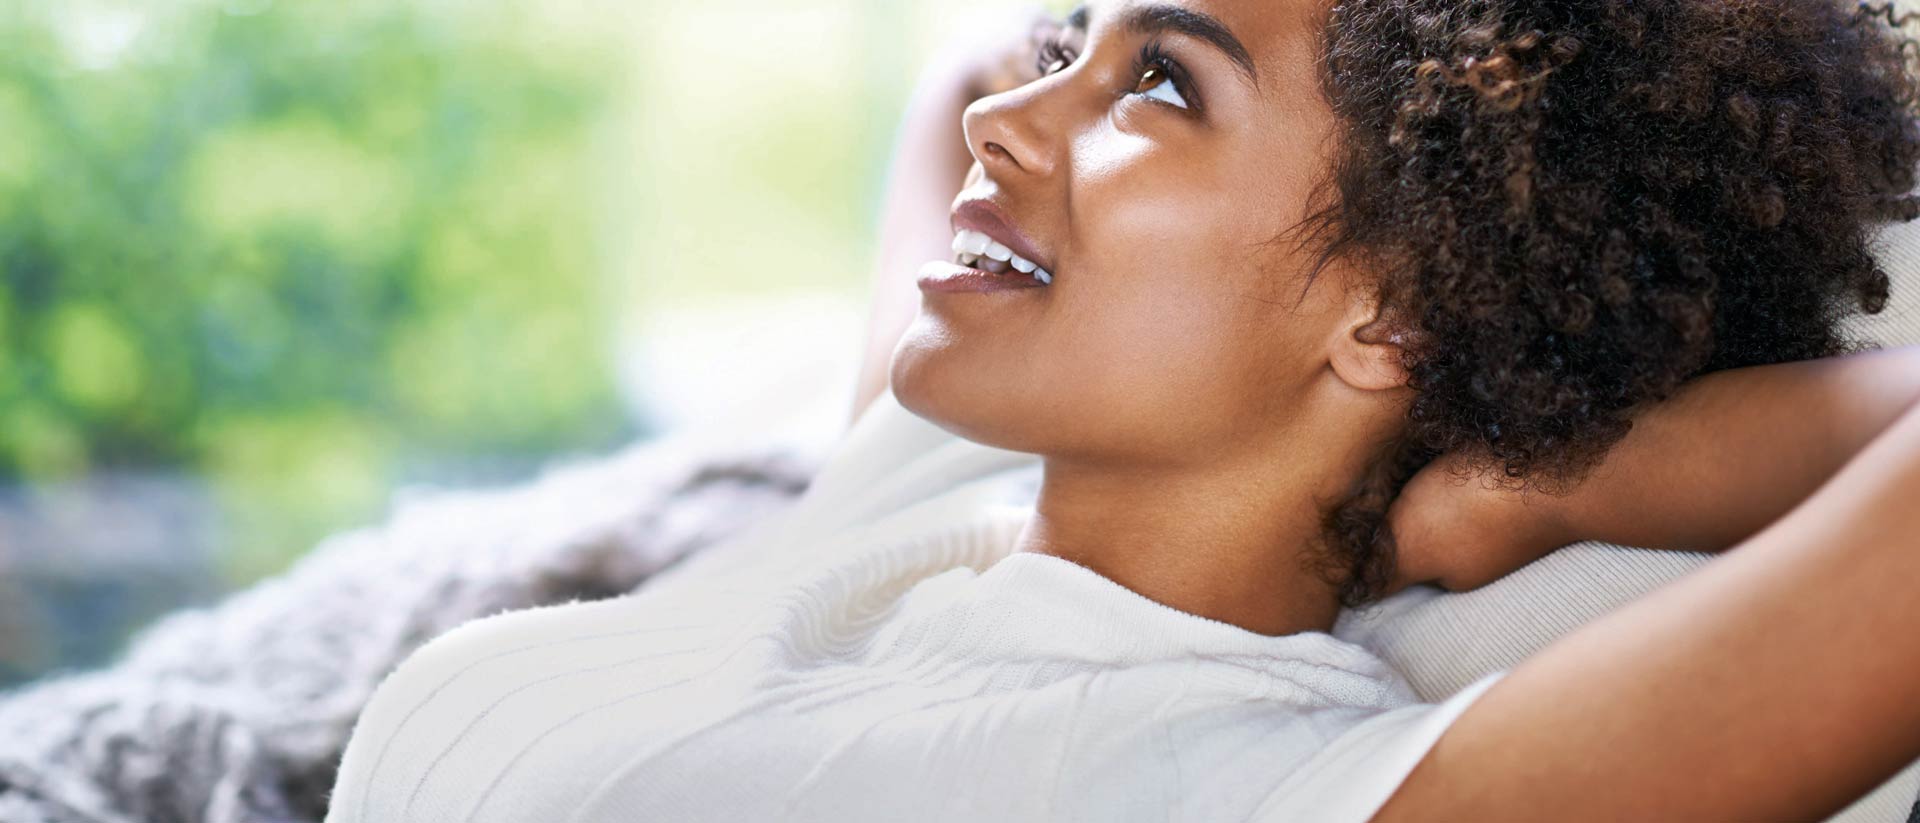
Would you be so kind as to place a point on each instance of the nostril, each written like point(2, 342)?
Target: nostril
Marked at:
point(996, 148)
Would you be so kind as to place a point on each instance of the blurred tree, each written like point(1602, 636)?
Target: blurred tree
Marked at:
point(290, 243)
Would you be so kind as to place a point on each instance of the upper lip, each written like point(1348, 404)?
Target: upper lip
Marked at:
point(983, 215)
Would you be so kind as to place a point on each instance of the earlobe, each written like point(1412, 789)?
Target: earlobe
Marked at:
point(1367, 354)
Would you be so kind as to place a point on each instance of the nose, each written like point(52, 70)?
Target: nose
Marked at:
point(1007, 135)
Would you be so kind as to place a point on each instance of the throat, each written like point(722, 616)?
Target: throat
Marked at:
point(1185, 547)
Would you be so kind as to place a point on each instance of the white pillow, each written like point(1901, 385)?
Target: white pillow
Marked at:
point(1444, 641)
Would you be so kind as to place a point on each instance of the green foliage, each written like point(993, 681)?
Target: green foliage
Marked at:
point(278, 241)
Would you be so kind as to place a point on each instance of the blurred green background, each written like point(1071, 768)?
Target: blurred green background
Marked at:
point(266, 261)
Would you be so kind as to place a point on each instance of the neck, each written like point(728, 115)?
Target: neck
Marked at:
point(1221, 542)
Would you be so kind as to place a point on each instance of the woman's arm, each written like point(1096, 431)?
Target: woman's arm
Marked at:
point(1776, 683)
point(930, 162)
point(1728, 454)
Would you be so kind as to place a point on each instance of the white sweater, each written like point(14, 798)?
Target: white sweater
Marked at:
point(842, 665)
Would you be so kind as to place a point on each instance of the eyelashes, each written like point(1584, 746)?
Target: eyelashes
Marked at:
point(1053, 54)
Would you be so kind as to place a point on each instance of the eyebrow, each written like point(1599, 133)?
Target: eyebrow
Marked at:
point(1155, 18)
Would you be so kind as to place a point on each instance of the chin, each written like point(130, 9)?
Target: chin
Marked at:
point(961, 391)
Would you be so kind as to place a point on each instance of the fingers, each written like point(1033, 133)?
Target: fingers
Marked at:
point(999, 48)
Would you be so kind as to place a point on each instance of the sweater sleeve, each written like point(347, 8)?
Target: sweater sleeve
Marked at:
point(1352, 778)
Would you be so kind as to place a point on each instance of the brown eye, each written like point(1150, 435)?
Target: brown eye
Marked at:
point(1153, 76)
point(1156, 81)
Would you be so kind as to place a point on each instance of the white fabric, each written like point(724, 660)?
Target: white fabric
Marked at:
point(1898, 250)
point(884, 657)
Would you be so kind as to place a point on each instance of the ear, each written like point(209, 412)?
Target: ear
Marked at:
point(1367, 345)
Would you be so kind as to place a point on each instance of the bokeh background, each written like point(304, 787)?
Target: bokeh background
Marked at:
point(265, 264)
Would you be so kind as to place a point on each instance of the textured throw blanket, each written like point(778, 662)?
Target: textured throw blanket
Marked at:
point(240, 711)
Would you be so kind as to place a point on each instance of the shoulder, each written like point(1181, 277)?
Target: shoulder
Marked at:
point(1368, 757)
point(1231, 738)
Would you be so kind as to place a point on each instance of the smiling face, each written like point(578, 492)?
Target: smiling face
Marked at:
point(1151, 171)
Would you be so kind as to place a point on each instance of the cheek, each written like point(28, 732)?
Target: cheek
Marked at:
point(1173, 274)
point(1167, 344)
point(1182, 319)
point(1153, 341)
point(1170, 330)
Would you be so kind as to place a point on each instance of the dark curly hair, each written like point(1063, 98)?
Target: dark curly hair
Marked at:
point(1574, 207)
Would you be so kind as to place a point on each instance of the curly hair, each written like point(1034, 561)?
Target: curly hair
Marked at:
point(1573, 208)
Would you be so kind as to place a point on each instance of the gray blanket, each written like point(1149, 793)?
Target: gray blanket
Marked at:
point(240, 711)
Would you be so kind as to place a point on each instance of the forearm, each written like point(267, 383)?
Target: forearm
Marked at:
point(930, 160)
point(1733, 451)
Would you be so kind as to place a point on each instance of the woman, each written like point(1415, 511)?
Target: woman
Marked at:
point(1258, 282)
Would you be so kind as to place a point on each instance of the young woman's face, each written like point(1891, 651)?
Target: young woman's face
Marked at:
point(1150, 172)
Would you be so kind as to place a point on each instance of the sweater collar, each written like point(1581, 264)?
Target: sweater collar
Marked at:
point(1018, 603)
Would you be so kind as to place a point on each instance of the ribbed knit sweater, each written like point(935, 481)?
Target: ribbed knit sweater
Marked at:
point(905, 667)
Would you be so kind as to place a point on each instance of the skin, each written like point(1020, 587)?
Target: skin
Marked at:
point(1194, 402)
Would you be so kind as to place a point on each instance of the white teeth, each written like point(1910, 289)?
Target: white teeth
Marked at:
point(977, 243)
point(971, 248)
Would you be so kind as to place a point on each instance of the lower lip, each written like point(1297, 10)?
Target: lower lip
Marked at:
point(944, 276)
